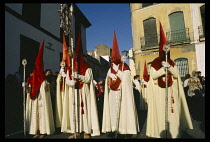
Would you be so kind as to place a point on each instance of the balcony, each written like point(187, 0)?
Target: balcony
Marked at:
point(178, 37)
point(201, 32)
point(149, 42)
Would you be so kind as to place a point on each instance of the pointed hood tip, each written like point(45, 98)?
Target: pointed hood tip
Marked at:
point(116, 58)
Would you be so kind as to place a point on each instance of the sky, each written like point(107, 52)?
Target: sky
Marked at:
point(105, 18)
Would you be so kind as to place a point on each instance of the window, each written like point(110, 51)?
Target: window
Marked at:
point(146, 4)
point(202, 10)
point(150, 32)
point(182, 65)
point(178, 32)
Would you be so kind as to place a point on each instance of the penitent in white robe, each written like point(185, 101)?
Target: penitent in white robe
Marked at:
point(59, 101)
point(88, 122)
point(39, 114)
point(177, 121)
point(128, 120)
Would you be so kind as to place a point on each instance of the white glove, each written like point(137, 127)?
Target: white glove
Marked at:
point(70, 83)
point(76, 75)
point(40, 103)
point(24, 84)
point(115, 67)
point(63, 74)
point(165, 64)
point(113, 76)
point(61, 70)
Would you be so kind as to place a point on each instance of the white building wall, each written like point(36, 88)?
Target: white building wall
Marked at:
point(200, 54)
point(16, 7)
point(14, 27)
point(50, 19)
point(199, 46)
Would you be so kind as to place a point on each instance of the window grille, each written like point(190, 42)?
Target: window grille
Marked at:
point(182, 65)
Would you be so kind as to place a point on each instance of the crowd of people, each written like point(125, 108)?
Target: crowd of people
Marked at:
point(72, 101)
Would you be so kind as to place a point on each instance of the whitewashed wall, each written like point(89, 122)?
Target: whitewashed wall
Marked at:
point(14, 27)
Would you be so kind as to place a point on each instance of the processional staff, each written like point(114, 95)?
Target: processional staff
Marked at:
point(67, 23)
point(166, 48)
point(24, 62)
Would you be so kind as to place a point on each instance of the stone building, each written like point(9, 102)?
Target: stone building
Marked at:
point(184, 26)
point(99, 60)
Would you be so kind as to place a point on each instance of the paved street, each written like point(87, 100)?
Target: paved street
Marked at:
point(197, 133)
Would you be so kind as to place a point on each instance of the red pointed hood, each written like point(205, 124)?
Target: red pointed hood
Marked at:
point(145, 75)
point(80, 65)
point(115, 57)
point(157, 62)
point(38, 73)
point(66, 56)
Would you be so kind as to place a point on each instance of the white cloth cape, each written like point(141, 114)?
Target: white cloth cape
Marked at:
point(59, 102)
point(88, 121)
point(177, 121)
point(40, 117)
point(128, 120)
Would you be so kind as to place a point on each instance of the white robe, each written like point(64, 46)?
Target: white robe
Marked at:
point(128, 120)
point(39, 114)
point(59, 102)
point(88, 122)
point(180, 119)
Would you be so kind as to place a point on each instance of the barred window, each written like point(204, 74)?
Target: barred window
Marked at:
point(182, 65)
point(150, 32)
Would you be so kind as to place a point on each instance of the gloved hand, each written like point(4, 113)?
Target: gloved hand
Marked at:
point(24, 84)
point(115, 67)
point(40, 103)
point(70, 83)
point(76, 75)
point(113, 76)
point(63, 74)
point(61, 70)
point(165, 64)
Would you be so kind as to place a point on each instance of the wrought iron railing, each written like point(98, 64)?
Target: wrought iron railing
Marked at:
point(201, 31)
point(178, 36)
point(173, 37)
point(149, 41)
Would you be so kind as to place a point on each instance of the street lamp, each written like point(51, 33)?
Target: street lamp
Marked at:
point(125, 54)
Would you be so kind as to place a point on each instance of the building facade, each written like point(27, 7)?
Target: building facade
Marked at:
point(25, 29)
point(99, 60)
point(184, 26)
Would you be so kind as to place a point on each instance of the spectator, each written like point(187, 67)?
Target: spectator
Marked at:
point(137, 95)
point(100, 99)
point(203, 85)
point(194, 85)
point(199, 75)
point(186, 87)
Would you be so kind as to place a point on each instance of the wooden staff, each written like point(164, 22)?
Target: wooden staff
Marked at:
point(24, 62)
